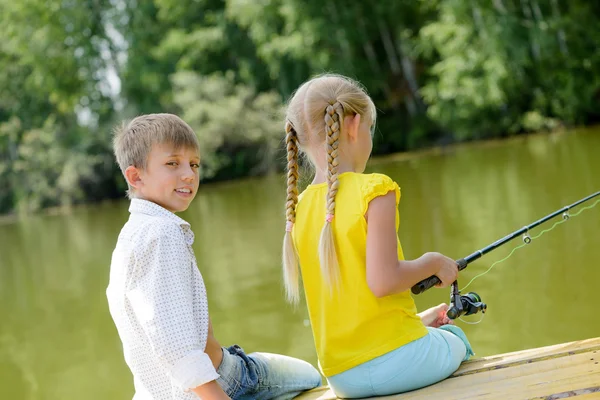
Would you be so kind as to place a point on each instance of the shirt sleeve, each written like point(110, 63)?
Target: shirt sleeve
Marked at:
point(161, 294)
point(378, 185)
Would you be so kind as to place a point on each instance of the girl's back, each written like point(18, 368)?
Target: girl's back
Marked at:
point(343, 234)
point(350, 325)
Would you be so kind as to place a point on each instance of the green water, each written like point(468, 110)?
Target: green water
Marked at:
point(57, 340)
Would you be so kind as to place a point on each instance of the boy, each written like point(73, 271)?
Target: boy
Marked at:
point(156, 294)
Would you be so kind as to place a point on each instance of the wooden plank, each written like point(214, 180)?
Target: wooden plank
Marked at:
point(590, 396)
point(581, 394)
point(568, 370)
point(320, 393)
point(530, 355)
point(522, 382)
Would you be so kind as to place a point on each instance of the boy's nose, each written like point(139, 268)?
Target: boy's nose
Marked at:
point(188, 175)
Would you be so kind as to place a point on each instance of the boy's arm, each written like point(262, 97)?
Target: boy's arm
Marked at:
point(210, 391)
point(161, 295)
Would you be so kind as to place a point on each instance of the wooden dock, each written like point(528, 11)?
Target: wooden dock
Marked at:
point(569, 370)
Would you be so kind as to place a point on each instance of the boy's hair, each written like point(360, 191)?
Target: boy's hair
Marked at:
point(133, 141)
point(315, 115)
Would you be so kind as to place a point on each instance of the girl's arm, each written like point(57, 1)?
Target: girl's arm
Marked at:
point(386, 274)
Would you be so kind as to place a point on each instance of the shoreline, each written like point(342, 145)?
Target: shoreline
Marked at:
point(374, 161)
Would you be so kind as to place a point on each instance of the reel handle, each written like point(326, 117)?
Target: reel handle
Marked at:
point(430, 282)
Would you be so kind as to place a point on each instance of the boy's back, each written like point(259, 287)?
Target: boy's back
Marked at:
point(153, 260)
point(156, 294)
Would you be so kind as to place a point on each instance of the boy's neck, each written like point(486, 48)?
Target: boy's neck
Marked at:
point(153, 202)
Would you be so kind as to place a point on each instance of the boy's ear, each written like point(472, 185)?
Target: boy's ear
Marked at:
point(133, 176)
point(352, 123)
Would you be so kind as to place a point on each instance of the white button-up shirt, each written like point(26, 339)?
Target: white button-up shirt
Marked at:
point(157, 300)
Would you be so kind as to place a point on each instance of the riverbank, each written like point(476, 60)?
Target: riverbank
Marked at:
point(373, 164)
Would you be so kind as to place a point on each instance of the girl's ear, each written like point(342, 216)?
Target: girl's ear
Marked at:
point(133, 176)
point(352, 123)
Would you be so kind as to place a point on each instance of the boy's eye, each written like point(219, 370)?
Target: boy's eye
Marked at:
point(172, 163)
point(195, 165)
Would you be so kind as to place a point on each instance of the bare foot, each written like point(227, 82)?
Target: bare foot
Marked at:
point(436, 316)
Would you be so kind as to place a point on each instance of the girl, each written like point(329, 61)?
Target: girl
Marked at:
point(342, 230)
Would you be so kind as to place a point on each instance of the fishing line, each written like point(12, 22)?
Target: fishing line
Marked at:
point(472, 323)
point(462, 263)
point(528, 239)
point(471, 303)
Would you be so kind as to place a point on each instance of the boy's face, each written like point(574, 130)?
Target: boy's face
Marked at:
point(171, 177)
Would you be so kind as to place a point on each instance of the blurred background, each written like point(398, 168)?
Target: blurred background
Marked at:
point(487, 113)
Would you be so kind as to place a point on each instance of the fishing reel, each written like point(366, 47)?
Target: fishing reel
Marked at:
point(466, 304)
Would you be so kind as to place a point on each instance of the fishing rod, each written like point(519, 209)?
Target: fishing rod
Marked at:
point(471, 302)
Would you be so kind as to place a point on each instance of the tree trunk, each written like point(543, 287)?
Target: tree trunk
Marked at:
point(562, 38)
point(535, 49)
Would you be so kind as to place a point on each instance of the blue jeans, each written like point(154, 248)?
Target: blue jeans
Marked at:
point(417, 364)
point(264, 376)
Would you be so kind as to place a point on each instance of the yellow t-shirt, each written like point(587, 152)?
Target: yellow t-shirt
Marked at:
point(350, 326)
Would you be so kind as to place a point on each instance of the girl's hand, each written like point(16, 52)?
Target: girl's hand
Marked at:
point(436, 316)
point(447, 269)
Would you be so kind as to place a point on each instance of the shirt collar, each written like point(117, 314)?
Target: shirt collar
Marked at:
point(140, 206)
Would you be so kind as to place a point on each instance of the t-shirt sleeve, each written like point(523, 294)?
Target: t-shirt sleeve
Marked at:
point(376, 185)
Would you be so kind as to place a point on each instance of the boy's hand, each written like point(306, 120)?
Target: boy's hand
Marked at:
point(436, 316)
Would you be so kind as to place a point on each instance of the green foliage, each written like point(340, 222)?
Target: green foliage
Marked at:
point(54, 57)
point(438, 71)
point(228, 116)
point(502, 64)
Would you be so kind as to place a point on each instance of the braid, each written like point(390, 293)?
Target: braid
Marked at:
point(290, 255)
point(334, 116)
point(291, 143)
point(315, 117)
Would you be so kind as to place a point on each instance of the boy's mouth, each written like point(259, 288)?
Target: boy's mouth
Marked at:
point(184, 191)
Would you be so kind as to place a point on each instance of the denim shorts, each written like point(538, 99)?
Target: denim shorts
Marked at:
point(264, 375)
point(417, 364)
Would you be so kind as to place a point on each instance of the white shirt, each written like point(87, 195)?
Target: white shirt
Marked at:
point(157, 300)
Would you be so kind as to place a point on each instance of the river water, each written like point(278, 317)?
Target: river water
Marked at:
point(57, 340)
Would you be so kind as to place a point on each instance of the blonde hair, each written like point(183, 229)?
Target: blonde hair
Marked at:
point(315, 115)
point(133, 141)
